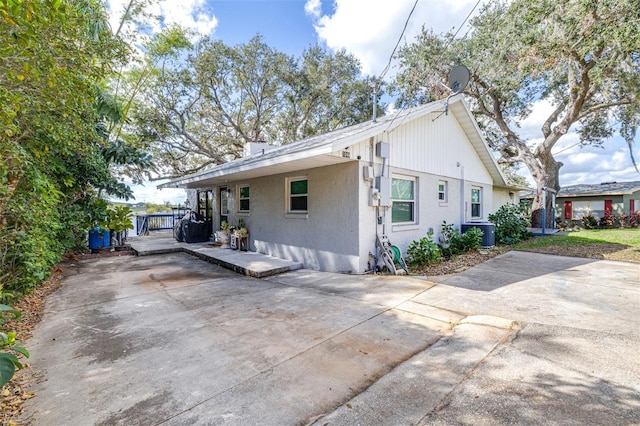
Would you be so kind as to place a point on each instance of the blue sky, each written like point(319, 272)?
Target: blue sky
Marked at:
point(369, 29)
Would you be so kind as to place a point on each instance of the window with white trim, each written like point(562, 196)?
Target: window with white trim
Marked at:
point(244, 203)
point(297, 194)
point(403, 200)
point(476, 202)
point(442, 191)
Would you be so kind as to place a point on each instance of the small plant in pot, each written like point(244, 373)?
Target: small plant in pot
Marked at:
point(120, 221)
point(97, 222)
point(241, 230)
point(223, 236)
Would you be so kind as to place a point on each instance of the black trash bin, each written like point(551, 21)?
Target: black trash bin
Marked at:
point(193, 229)
point(177, 231)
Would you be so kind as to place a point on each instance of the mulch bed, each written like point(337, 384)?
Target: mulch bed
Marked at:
point(460, 262)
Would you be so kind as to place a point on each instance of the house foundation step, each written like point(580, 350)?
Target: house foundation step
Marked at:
point(252, 264)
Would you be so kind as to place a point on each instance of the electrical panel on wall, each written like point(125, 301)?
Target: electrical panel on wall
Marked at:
point(383, 149)
point(383, 183)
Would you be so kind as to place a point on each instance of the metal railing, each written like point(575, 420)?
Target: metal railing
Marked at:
point(155, 222)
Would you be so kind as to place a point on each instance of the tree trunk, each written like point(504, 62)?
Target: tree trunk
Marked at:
point(547, 177)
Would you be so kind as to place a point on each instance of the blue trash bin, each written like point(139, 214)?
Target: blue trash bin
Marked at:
point(99, 238)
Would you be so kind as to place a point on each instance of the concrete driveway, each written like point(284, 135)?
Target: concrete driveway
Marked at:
point(170, 339)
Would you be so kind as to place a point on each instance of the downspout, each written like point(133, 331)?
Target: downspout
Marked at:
point(463, 209)
point(377, 209)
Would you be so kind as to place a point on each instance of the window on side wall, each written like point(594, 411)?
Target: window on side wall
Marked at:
point(244, 199)
point(403, 199)
point(476, 202)
point(297, 194)
point(442, 191)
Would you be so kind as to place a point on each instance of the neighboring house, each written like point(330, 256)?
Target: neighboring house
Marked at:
point(323, 200)
point(577, 201)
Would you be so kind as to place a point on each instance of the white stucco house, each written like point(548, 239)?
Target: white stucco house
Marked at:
point(323, 200)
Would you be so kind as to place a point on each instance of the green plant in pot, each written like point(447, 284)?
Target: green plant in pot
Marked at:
point(240, 230)
point(223, 236)
point(120, 221)
point(97, 223)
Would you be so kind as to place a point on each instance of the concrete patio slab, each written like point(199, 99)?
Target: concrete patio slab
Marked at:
point(417, 387)
point(252, 264)
point(222, 345)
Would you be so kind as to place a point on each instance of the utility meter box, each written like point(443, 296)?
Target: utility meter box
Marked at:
point(367, 173)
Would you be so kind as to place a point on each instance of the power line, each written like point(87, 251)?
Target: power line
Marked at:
point(439, 56)
point(384, 72)
point(461, 25)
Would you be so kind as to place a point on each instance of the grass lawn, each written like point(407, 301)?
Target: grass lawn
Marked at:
point(612, 244)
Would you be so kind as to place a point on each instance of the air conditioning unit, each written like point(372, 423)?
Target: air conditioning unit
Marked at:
point(488, 232)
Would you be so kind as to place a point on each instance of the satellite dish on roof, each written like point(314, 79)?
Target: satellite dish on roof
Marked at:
point(458, 78)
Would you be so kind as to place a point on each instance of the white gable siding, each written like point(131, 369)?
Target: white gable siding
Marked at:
point(436, 147)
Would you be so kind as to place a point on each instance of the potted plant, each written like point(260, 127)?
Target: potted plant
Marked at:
point(120, 221)
point(97, 222)
point(241, 234)
point(223, 236)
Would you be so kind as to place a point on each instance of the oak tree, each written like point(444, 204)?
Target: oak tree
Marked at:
point(200, 105)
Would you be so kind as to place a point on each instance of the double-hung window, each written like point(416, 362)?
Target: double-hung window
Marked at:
point(403, 199)
point(297, 194)
point(243, 199)
point(442, 191)
point(476, 202)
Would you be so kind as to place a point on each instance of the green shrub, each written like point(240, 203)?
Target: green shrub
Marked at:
point(589, 222)
point(453, 242)
point(511, 223)
point(30, 242)
point(470, 240)
point(10, 348)
point(423, 251)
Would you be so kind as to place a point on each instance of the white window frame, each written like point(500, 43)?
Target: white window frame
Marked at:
point(289, 211)
point(444, 193)
point(479, 203)
point(241, 198)
point(414, 201)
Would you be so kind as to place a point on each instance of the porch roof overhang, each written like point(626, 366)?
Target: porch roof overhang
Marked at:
point(272, 165)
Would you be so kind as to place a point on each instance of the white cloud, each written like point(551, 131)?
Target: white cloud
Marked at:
point(190, 14)
point(369, 29)
point(148, 193)
point(313, 8)
point(590, 164)
point(532, 126)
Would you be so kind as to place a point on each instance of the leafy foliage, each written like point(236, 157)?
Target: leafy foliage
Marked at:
point(423, 251)
point(589, 222)
point(10, 348)
point(511, 223)
point(58, 156)
point(453, 242)
point(119, 222)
